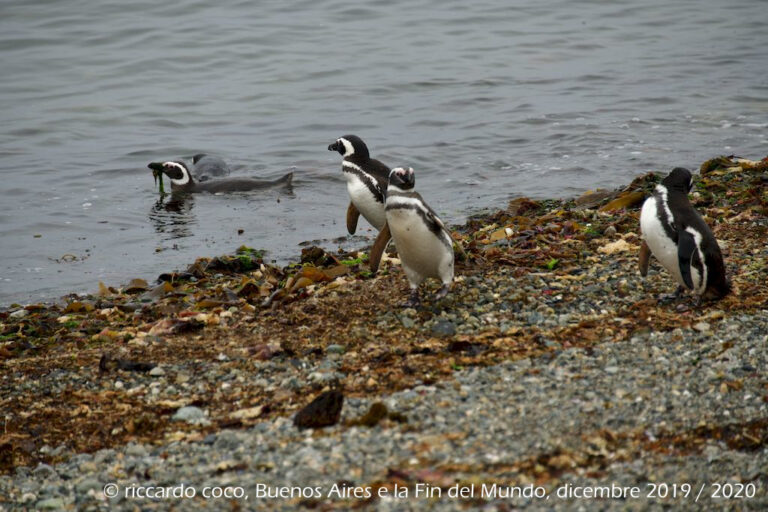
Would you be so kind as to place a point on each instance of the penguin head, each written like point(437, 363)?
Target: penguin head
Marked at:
point(679, 179)
point(402, 178)
point(175, 170)
point(350, 145)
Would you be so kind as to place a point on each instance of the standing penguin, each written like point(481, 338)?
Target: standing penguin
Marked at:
point(675, 233)
point(367, 187)
point(424, 245)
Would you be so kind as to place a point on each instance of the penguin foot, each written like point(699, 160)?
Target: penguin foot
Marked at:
point(414, 301)
point(442, 292)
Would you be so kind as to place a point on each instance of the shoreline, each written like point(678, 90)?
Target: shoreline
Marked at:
point(247, 344)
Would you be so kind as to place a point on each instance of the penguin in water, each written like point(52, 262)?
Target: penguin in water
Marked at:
point(205, 167)
point(367, 180)
point(675, 233)
point(182, 181)
point(423, 243)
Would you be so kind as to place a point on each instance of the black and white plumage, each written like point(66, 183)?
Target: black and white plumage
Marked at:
point(677, 236)
point(182, 181)
point(366, 182)
point(423, 243)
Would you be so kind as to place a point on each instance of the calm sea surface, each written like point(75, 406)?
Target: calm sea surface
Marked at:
point(487, 100)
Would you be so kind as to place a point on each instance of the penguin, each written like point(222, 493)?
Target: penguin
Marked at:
point(182, 181)
point(676, 234)
point(367, 187)
point(423, 243)
point(205, 167)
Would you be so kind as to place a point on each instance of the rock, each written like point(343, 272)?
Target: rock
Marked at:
point(88, 484)
point(407, 321)
point(21, 313)
point(190, 414)
point(610, 231)
point(157, 372)
point(136, 450)
point(50, 504)
point(43, 471)
point(334, 349)
point(612, 369)
point(444, 327)
point(323, 411)
point(702, 326)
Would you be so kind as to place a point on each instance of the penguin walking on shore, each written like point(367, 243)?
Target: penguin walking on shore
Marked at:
point(367, 180)
point(183, 182)
point(676, 234)
point(424, 245)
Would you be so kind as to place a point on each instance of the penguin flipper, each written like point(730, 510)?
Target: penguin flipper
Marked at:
point(378, 248)
point(352, 215)
point(686, 246)
point(645, 258)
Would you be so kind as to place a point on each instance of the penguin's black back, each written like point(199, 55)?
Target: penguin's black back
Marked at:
point(685, 216)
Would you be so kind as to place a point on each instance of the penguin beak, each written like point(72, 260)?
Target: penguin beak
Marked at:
point(157, 174)
point(333, 147)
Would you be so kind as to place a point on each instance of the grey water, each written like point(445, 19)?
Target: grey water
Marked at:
point(487, 100)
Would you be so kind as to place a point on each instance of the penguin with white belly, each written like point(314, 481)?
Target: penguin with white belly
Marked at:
point(367, 188)
point(423, 243)
point(677, 236)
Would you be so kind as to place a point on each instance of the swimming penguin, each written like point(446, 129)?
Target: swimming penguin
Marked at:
point(424, 245)
point(367, 187)
point(675, 233)
point(205, 167)
point(182, 181)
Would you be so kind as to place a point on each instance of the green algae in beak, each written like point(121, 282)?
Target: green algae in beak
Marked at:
point(158, 175)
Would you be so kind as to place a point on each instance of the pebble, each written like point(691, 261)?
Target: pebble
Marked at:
point(702, 326)
point(20, 313)
point(444, 327)
point(190, 414)
point(157, 372)
point(43, 470)
point(334, 349)
point(50, 504)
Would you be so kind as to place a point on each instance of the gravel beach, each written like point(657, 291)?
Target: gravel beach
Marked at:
point(550, 372)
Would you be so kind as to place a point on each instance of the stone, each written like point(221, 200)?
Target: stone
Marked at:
point(190, 414)
point(50, 504)
point(43, 470)
point(702, 326)
point(21, 313)
point(444, 327)
point(323, 411)
point(334, 349)
point(136, 450)
point(156, 372)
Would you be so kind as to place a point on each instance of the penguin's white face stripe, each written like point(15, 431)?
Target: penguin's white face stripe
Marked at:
point(184, 173)
point(697, 237)
point(349, 149)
